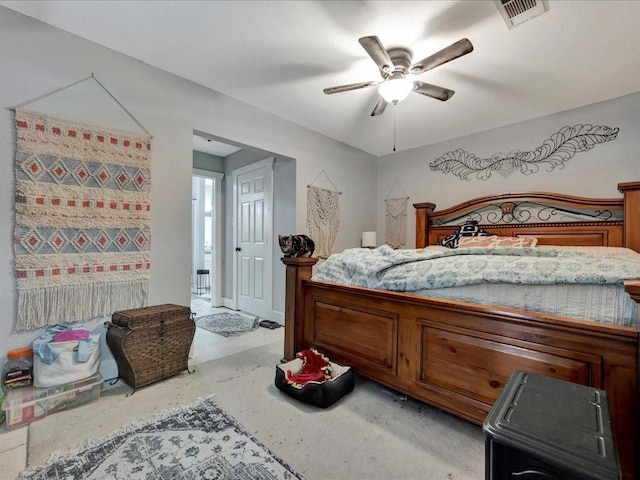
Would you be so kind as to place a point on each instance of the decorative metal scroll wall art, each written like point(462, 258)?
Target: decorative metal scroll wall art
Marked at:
point(554, 152)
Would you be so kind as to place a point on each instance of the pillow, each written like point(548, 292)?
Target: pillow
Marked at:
point(468, 229)
point(496, 241)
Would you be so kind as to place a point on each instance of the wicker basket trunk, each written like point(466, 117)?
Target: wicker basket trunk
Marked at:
point(151, 343)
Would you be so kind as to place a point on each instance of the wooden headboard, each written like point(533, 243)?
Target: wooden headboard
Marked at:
point(554, 219)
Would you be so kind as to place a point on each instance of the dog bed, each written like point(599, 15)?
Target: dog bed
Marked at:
point(337, 382)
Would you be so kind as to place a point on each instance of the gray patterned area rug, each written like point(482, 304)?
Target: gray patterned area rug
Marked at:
point(198, 441)
point(227, 324)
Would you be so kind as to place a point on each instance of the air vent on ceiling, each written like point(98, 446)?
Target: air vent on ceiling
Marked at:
point(514, 12)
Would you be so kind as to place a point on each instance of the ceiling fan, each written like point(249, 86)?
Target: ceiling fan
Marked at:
point(395, 68)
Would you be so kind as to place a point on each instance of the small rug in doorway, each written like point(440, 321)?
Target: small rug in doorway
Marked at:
point(198, 441)
point(227, 324)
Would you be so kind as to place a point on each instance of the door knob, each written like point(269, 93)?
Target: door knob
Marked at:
point(238, 249)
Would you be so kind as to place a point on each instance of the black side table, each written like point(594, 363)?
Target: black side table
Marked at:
point(541, 428)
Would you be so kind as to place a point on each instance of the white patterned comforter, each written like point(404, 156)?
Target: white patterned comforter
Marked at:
point(582, 282)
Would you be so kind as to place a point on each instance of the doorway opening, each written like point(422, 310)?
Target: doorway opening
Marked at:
point(206, 235)
point(213, 154)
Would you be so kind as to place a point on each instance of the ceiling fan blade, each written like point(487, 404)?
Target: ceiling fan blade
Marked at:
point(377, 52)
point(381, 104)
point(433, 91)
point(351, 86)
point(453, 51)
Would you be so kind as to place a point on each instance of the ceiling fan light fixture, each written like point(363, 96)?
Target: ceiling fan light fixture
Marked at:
point(395, 89)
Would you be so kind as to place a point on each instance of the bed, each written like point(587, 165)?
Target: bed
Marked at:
point(458, 355)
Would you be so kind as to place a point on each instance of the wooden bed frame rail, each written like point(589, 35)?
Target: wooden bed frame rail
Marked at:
point(457, 356)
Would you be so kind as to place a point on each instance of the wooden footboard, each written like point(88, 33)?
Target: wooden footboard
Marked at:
point(458, 356)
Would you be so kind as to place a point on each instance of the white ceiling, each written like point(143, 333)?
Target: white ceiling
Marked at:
point(206, 145)
point(279, 55)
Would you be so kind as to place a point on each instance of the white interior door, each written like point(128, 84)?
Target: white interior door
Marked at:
point(253, 238)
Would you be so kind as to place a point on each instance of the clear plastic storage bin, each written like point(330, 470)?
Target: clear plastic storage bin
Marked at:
point(27, 404)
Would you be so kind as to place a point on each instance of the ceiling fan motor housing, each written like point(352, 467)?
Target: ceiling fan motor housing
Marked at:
point(401, 58)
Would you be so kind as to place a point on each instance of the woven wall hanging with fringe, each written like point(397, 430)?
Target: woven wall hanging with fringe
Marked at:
point(396, 222)
point(82, 225)
point(323, 217)
point(396, 216)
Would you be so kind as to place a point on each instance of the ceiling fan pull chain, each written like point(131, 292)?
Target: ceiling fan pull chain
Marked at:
point(395, 117)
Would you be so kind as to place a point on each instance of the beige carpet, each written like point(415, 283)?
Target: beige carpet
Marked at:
point(372, 433)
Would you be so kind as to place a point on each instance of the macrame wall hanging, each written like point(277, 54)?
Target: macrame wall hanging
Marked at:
point(82, 223)
point(553, 152)
point(323, 216)
point(396, 218)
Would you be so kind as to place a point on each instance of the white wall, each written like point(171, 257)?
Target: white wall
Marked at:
point(284, 204)
point(36, 59)
point(593, 173)
point(206, 161)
